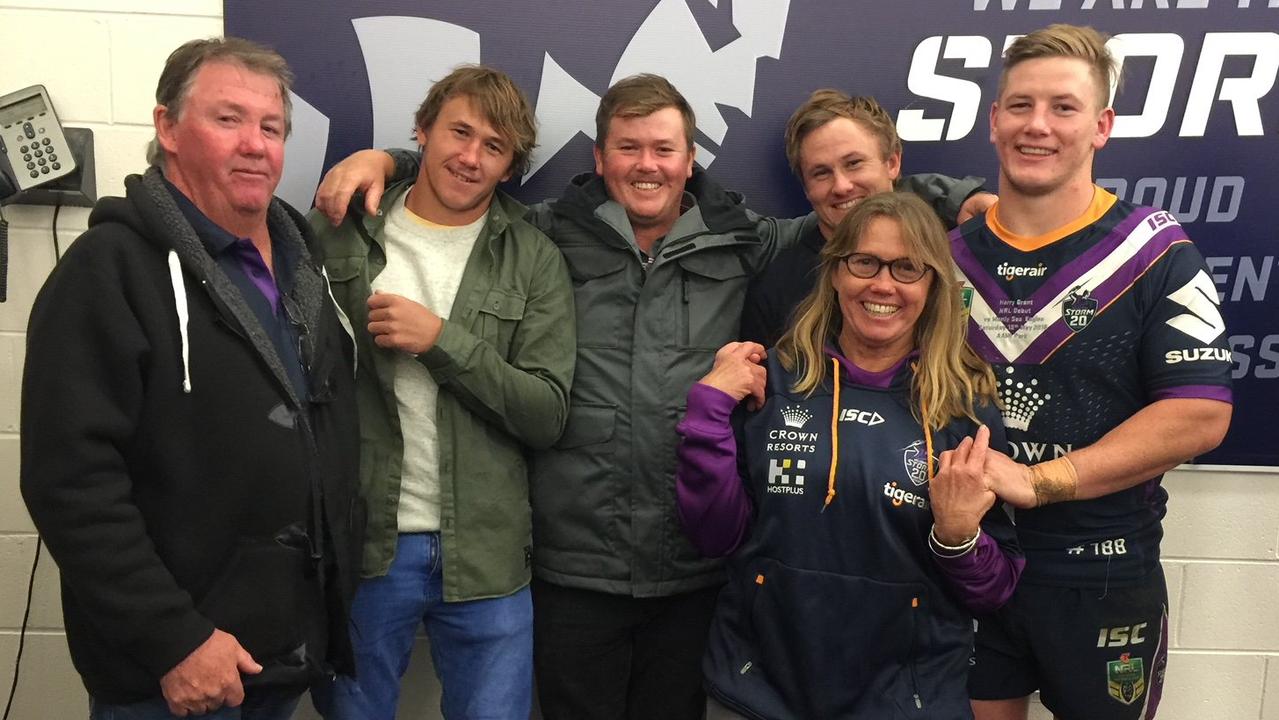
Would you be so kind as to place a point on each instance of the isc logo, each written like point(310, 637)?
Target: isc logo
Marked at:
point(1121, 636)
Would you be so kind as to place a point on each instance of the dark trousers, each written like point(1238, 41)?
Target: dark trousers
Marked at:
point(604, 656)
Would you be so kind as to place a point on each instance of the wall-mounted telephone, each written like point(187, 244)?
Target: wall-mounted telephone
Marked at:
point(31, 138)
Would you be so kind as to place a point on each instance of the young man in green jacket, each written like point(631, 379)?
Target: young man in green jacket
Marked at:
point(463, 319)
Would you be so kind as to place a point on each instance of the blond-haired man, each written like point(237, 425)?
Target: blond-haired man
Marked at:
point(1086, 306)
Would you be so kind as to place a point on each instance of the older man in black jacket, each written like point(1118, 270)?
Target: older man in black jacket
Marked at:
point(189, 435)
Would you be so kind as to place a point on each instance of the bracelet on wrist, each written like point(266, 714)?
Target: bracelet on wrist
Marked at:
point(941, 549)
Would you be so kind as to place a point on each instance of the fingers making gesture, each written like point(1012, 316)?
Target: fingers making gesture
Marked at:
point(960, 493)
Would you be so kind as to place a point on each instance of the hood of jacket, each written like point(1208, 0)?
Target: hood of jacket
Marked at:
point(722, 210)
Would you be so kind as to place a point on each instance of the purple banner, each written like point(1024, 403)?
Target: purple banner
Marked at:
point(1197, 131)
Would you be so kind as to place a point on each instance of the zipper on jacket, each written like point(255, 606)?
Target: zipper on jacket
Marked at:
point(914, 675)
point(688, 321)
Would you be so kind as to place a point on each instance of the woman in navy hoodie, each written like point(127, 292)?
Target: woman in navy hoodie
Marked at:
point(850, 495)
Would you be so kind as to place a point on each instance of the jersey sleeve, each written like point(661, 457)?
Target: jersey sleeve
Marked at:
point(1184, 352)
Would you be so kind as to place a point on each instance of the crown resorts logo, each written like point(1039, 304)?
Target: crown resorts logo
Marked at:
point(796, 417)
point(1021, 400)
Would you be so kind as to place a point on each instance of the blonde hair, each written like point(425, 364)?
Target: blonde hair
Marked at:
point(826, 105)
point(498, 99)
point(950, 378)
point(1066, 41)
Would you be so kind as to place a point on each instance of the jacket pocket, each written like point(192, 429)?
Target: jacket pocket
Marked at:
point(714, 291)
point(500, 314)
point(836, 645)
point(588, 424)
point(350, 293)
point(602, 297)
point(574, 490)
point(269, 597)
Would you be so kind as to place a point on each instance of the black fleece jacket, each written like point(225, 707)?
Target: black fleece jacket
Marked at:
point(177, 478)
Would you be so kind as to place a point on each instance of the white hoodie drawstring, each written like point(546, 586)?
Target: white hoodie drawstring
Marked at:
point(184, 316)
point(343, 320)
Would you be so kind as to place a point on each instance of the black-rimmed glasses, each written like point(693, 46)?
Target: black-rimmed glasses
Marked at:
point(903, 269)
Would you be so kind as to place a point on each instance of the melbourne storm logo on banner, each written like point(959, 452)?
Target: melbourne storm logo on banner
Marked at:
point(401, 56)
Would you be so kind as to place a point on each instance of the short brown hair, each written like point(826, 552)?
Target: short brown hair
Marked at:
point(826, 105)
point(184, 64)
point(1066, 41)
point(499, 100)
point(640, 96)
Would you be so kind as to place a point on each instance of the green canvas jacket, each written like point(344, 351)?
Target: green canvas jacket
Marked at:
point(504, 365)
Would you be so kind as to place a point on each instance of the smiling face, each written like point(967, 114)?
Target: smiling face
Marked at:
point(225, 151)
point(463, 160)
point(1046, 126)
point(645, 163)
point(879, 313)
point(842, 162)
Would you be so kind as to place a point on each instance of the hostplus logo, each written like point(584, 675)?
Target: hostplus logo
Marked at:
point(784, 476)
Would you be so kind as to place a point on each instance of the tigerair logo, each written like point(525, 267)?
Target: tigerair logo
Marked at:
point(1009, 271)
point(784, 478)
point(900, 496)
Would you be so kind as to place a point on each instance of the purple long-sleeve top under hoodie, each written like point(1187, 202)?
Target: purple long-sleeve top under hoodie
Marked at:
point(716, 509)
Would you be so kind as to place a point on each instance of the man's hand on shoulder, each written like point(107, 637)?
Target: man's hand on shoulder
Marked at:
point(208, 678)
point(364, 171)
point(397, 323)
point(976, 204)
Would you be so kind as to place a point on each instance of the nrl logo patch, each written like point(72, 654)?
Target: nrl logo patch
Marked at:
point(915, 460)
point(966, 297)
point(1078, 309)
point(1124, 679)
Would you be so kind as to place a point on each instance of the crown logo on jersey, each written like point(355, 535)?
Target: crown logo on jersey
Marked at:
point(1021, 400)
point(796, 417)
point(1079, 308)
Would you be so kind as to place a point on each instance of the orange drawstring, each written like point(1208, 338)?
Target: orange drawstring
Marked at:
point(928, 435)
point(834, 438)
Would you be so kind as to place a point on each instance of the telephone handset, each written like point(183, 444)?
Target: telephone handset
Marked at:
point(31, 138)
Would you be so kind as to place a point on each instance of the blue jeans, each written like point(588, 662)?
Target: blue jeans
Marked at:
point(263, 705)
point(482, 649)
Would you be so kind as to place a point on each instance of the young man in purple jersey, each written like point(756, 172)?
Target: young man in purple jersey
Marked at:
point(1082, 303)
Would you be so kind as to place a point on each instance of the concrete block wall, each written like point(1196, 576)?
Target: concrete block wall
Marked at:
point(1221, 552)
